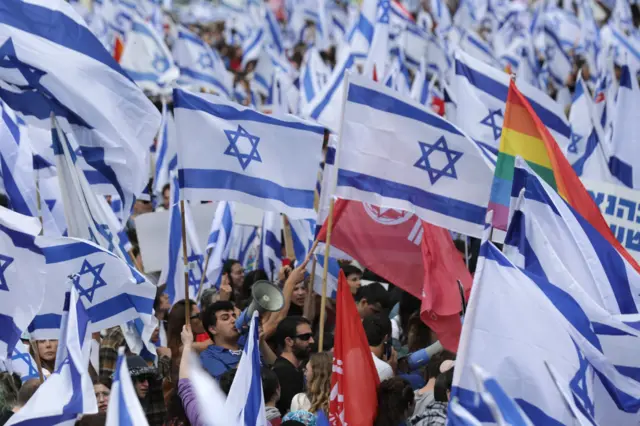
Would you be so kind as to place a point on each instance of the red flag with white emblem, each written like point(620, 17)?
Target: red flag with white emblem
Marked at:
point(354, 379)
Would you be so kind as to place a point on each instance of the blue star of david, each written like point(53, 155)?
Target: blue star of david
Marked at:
point(579, 384)
point(385, 5)
point(9, 59)
point(451, 155)
point(50, 204)
point(66, 361)
point(490, 121)
point(205, 60)
point(98, 282)
point(194, 279)
point(106, 234)
point(160, 63)
point(5, 261)
point(232, 149)
point(573, 145)
point(27, 360)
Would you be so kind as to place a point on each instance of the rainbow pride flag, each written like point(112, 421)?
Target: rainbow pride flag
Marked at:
point(524, 135)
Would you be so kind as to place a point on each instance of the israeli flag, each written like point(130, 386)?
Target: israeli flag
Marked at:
point(167, 152)
point(326, 106)
point(361, 33)
point(302, 234)
point(378, 58)
point(68, 392)
point(265, 161)
point(245, 243)
point(603, 273)
point(22, 363)
point(313, 76)
point(421, 84)
point(22, 277)
point(263, 73)
point(441, 14)
point(398, 77)
point(173, 271)
point(477, 48)
point(200, 66)
point(124, 405)
point(219, 241)
point(625, 137)
point(395, 153)
point(270, 256)
point(66, 64)
point(245, 403)
point(112, 291)
point(273, 30)
point(52, 206)
point(333, 272)
point(560, 64)
point(252, 46)
point(516, 352)
point(484, 90)
point(328, 183)
point(147, 59)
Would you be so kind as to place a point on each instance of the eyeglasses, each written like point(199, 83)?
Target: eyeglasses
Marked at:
point(305, 336)
point(194, 316)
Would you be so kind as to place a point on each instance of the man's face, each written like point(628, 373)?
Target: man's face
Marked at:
point(165, 198)
point(302, 341)
point(237, 276)
point(142, 386)
point(225, 327)
point(366, 309)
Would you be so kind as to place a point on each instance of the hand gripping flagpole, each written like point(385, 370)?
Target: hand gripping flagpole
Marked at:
point(327, 246)
point(186, 265)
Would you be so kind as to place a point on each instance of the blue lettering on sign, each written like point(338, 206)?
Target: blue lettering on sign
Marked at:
point(620, 208)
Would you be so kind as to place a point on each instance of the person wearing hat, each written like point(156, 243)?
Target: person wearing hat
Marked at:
point(147, 384)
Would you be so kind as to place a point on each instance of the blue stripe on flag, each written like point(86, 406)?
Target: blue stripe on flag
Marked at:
point(204, 77)
point(66, 252)
point(423, 199)
point(223, 179)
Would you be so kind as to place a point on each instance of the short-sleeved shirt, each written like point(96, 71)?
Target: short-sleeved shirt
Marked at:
point(291, 382)
point(217, 360)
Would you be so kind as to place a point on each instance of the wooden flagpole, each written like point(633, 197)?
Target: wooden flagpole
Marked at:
point(186, 264)
point(204, 274)
point(323, 301)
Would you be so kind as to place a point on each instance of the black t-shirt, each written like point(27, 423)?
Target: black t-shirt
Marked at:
point(291, 383)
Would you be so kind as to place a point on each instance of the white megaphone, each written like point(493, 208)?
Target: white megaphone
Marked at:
point(267, 297)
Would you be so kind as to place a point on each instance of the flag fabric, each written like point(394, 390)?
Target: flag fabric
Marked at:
point(442, 302)
point(302, 234)
point(53, 62)
point(626, 126)
point(252, 46)
point(332, 273)
point(378, 58)
point(112, 291)
point(245, 244)
point(395, 153)
point(219, 241)
point(245, 402)
point(209, 397)
point(484, 89)
point(22, 363)
point(524, 134)
point(167, 152)
point(551, 327)
point(354, 378)
point(273, 30)
point(124, 405)
point(200, 66)
point(266, 161)
point(546, 230)
point(68, 392)
point(270, 255)
point(22, 278)
point(147, 59)
point(457, 415)
point(398, 77)
point(173, 270)
point(360, 35)
point(314, 74)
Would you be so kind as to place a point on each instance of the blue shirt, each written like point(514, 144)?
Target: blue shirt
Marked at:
point(217, 360)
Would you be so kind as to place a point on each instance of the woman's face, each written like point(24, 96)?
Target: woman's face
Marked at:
point(196, 322)
point(102, 395)
point(47, 349)
point(308, 373)
point(299, 294)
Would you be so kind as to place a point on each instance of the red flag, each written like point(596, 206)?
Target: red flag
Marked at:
point(385, 241)
point(118, 47)
point(441, 298)
point(354, 380)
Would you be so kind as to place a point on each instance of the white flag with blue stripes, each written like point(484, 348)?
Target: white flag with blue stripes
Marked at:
point(244, 245)
point(252, 46)
point(395, 153)
point(360, 35)
point(270, 255)
point(173, 271)
point(219, 241)
point(167, 152)
point(22, 363)
point(313, 76)
point(200, 66)
point(245, 403)
point(22, 277)
point(124, 405)
point(62, 67)
point(112, 291)
point(332, 273)
point(515, 323)
point(147, 59)
point(302, 234)
point(229, 152)
point(481, 91)
point(68, 392)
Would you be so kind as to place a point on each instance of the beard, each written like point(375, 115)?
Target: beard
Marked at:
point(302, 353)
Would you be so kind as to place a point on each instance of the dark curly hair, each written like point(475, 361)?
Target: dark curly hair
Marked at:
point(395, 402)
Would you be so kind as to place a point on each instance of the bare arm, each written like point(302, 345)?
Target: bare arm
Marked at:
point(187, 342)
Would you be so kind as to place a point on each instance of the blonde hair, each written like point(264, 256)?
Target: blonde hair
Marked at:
point(319, 388)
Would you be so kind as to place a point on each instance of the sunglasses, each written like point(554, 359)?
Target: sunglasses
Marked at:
point(305, 336)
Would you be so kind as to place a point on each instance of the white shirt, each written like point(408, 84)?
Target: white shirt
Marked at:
point(384, 370)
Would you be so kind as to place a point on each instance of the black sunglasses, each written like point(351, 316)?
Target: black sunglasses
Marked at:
point(305, 336)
